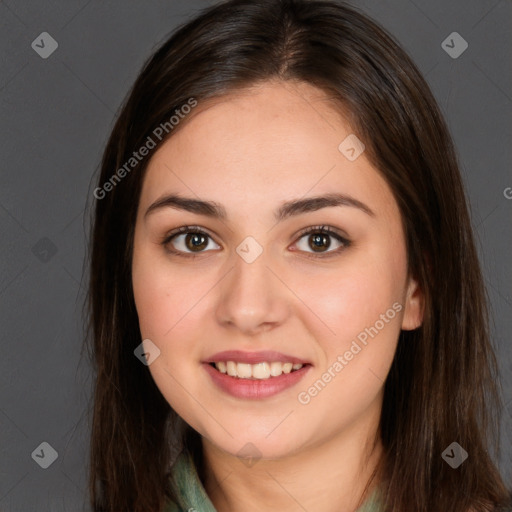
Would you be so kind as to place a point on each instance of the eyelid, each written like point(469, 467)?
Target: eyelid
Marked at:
point(324, 228)
point(328, 230)
point(183, 230)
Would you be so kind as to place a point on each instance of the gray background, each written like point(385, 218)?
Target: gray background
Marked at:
point(56, 115)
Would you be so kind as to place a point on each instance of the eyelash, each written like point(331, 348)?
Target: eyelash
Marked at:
point(325, 230)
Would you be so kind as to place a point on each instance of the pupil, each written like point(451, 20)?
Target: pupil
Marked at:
point(320, 241)
point(197, 240)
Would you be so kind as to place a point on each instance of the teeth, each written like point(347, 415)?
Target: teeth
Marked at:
point(276, 369)
point(231, 367)
point(243, 370)
point(260, 371)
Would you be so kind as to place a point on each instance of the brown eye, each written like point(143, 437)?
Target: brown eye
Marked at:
point(189, 240)
point(320, 239)
point(195, 241)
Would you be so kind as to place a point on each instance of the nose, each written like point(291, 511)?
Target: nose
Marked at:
point(252, 299)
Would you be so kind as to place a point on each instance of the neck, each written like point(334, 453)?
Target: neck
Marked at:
point(331, 475)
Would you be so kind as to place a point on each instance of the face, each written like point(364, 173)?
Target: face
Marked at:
point(270, 280)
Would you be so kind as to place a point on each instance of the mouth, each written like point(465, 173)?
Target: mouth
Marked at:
point(259, 371)
point(255, 375)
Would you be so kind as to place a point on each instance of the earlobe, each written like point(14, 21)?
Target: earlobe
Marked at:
point(414, 306)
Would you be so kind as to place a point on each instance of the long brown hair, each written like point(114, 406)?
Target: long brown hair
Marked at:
point(442, 386)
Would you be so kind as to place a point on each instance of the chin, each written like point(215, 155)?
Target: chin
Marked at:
point(253, 442)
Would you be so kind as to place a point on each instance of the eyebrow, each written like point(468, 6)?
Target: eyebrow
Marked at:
point(287, 209)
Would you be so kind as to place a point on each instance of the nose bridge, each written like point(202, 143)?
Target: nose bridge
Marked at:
point(251, 297)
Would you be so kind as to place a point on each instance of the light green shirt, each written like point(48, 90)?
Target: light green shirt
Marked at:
point(193, 498)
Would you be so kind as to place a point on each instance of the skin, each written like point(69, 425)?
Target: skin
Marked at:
point(250, 152)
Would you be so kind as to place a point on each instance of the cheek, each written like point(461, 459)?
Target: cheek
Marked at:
point(360, 312)
point(354, 297)
point(364, 318)
point(166, 298)
point(169, 309)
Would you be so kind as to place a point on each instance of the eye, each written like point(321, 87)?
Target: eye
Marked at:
point(187, 240)
point(319, 240)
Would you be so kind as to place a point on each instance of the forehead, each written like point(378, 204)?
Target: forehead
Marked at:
point(273, 116)
point(273, 141)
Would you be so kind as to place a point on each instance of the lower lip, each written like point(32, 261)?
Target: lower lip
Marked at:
point(255, 388)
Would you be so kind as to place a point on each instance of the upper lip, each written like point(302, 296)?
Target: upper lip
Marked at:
point(240, 356)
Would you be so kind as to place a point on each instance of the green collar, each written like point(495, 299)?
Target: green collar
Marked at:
point(192, 496)
point(189, 489)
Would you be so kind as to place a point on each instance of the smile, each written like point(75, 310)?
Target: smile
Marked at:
point(261, 371)
point(254, 375)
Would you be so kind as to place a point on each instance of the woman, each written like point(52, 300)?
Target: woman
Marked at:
point(286, 302)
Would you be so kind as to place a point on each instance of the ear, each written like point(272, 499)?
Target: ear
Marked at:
point(414, 306)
